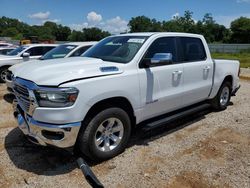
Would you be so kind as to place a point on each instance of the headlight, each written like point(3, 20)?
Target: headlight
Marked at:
point(56, 97)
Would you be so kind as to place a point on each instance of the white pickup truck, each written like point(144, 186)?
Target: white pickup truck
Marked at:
point(94, 101)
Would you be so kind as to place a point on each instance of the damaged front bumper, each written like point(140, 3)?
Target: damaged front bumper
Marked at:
point(58, 135)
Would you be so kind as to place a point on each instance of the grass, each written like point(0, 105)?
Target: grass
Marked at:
point(243, 57)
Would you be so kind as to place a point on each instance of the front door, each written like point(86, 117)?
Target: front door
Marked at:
point(161, 86)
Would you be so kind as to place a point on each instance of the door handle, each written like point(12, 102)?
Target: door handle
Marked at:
point(177, 72)
point(207, 68)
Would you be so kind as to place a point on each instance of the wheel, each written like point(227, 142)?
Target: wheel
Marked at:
point(3, 74)
point(106, 135)
point(222, 99)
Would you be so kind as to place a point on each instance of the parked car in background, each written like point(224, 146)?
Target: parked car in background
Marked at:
point(72, 49)
point(6, 50)
point(6, 45)
point(94, 102)
point(21, 54)
point(67, 50)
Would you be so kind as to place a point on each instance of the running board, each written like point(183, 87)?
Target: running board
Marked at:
point(178, 115)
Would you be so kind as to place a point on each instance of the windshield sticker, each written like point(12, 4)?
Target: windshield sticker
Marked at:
point(70, 47)
point(140, 41)
point(58, 55)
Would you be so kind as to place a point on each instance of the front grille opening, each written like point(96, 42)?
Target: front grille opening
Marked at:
point(22, 95)
point(21, 90)
point(53, 135)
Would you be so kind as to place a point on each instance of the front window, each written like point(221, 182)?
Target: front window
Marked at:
point(120, 49)
point(17, 50)
point(58, 52)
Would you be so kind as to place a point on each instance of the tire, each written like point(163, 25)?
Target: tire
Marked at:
point(3, 71)
point(94, 135)
point(222, 99)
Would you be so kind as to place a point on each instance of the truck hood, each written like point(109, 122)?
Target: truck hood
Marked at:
point(57, 71)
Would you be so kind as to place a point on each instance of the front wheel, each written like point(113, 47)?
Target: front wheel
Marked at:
point(106, 135)
point(222, 99)
point(3, 74)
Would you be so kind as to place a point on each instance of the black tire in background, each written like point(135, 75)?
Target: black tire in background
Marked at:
point(3, 72)
point(222, 99)
point(88, 134)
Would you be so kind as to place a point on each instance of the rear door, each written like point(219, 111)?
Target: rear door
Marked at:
point(161, 85)
point(197, 70)
point(35, 52)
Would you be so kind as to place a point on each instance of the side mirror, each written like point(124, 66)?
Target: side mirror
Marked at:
point(26, 56)
point(162, 58)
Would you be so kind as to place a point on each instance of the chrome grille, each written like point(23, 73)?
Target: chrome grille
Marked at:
point(22, 95)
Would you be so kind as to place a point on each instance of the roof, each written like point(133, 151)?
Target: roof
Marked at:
point(148, 34)
point(6, 43)
point(31, 45)
point(8, 47)
point(82, 43)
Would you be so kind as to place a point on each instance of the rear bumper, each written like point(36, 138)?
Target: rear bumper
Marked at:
point(235, 90)
point(61, 136)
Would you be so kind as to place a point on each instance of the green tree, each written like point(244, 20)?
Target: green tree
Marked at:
point(76, 36)
point(208, 19)
point(6, 23)
point(19, 36)
point(140, 24)
point(62, 33)
point(52, 26)
point(240, 30)
point(94, 34)
point(187, 22)
point(172, 26)
point(10, 32)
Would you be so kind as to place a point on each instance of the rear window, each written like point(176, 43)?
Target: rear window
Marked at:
point(192, 49)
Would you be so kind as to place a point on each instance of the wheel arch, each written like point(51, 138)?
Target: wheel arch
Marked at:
point(228, 78)
point(118, 101)
point(5, 66)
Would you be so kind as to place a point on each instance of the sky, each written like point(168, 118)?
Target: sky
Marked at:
point(114, 15)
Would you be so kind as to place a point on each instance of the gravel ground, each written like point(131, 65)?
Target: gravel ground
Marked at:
point(210, 149)
point(245, 72)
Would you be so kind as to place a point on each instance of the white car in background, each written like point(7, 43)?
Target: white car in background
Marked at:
point(21, 54)
point(72, 49)
point(6, 45)
point(6, 50)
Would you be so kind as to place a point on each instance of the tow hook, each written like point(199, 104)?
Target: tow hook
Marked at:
point(88, 174)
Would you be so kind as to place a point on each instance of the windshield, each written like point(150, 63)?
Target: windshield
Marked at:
point(120, 49)
point(17, 50)
point(58, 52)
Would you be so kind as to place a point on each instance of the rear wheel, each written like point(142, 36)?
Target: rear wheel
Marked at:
point(106, 134)
point(222, 99)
